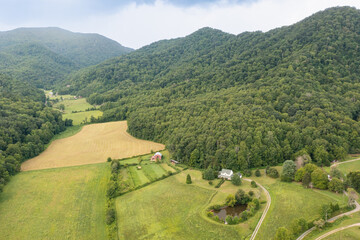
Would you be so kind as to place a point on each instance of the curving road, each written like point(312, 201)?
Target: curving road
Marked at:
point(337, 230)
point(357, 209)
point(265, 211)
point(338, 163)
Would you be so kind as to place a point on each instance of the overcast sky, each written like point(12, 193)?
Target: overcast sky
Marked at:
point(135, 23)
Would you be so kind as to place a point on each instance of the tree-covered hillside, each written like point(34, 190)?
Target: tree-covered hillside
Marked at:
point(240, 101)
point(44, 56)
point(26, 125)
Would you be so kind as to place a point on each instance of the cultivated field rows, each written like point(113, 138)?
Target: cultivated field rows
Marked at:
point(93, 144)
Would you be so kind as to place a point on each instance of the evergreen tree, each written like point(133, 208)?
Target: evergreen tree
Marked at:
point(188, 179)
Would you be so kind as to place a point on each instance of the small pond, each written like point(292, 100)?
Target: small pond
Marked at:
point(232, 211)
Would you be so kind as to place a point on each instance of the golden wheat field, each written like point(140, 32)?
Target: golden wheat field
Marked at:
point(93, 144)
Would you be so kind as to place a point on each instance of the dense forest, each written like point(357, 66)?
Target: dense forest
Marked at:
point(250, 100)
point(26, 125)
point(45, 56)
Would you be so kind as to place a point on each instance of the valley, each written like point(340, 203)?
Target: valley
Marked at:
point(254, 136)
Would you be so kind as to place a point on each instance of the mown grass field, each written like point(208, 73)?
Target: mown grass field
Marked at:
point(348, 234)
point(93, 144)
point(63, 203)
point(79, 105)
point(349, 167)
point(171, 209)
point(82, 117)
point(291, 201)
point(138, 176)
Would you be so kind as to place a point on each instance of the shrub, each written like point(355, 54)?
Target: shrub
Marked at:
point(229, 219)
point(247, 173)
point(273, 173)
point(319, 178)
point(257, 173)
point(298, 226)
point(251, 193)
point(220, 183)
point(267, 169)
point(253, 184)
point(288, 171)
point(216, 207)
point(306, 180)
point(299, 174)
point(210, 214)
point(236, 220)
point(110, 216)
point(217, 219)
point(208, 174)
point(244, 215)
point(169, 173)
point(210, 183)
point(241, 197)
point(109, 159)
point(236, 180)
point(230, 200)
point(336, 185)
point(257, 203)
point(188, 179)
point(282, 234)
point(334, 172)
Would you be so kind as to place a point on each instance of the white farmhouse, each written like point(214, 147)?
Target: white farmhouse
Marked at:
point(226, 173)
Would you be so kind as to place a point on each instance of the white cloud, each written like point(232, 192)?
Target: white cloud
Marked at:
point(136, 25)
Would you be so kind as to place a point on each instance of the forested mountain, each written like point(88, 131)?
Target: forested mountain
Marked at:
point(26, 125)
point(240, 101)
point(44, 56)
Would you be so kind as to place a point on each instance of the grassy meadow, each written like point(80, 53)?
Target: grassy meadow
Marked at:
point(347, 234)
point(93, 144)
point(171, 209)
point(348, 167)
point(351, 233)
point(290, 201)
point(62, 203)
point(80, 106)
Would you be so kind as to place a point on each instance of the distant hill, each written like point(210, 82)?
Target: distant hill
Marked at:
point(250, 100)
point(43, 56)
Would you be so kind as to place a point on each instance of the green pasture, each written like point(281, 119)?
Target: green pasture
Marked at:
point(79, 105)
point(62, 203)
point(342, 222)
point(81, 117)
point(153, 171)
point(171, 209)
point(138, 177)
point(291, 201)
point(349, 167)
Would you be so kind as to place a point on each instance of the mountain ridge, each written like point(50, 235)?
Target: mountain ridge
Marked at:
point(240, 101)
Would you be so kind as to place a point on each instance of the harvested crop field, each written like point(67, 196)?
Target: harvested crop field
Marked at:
point(93, 144)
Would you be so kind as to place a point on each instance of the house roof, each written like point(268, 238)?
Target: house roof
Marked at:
point(227, 172)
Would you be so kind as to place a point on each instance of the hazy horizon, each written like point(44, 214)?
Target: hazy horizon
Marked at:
point(136, 23)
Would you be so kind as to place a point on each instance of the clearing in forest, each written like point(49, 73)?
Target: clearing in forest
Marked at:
point(78, 110)
point(93, 144)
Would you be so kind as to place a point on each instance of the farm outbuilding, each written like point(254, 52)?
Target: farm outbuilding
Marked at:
point(157, 156)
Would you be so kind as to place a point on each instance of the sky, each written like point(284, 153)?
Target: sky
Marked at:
point(136, 23)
